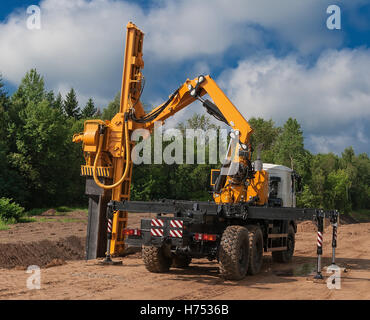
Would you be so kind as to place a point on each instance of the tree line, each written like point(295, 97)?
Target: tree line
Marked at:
point(40, 166)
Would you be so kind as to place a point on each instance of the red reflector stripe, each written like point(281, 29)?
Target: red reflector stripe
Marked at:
point(156, 232)
point(157, 223)
point(176, 233)
point(176, 223)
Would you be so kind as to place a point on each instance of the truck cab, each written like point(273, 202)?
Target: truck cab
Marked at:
point(281, 185)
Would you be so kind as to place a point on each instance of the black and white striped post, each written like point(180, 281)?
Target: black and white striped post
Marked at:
point(320, 231)
point(334, 221)
point(108, 257)
point(109, 239)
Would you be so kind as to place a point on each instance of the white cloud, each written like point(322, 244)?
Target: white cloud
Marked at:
point(82, 42)
point(81, 45)
point(332, 95)
point(330, 143)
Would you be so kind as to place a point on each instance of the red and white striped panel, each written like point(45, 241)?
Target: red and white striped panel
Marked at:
point(156, 232)
point(157, 223)
point(319, 239)
point(109, 226)
point(176, 224)
point(176, 233)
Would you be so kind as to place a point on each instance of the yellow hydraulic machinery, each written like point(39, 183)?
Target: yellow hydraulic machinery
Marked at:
point(107, 146)
point(253, 210)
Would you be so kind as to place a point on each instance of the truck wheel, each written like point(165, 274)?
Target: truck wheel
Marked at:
point(286, 256)
point(255, 249)
point(234, 253)
point(155, 259)
point(181, 261)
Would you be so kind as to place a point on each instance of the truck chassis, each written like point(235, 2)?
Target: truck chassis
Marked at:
point(234, 234)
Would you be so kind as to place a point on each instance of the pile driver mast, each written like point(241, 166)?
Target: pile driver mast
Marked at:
point(107, 147)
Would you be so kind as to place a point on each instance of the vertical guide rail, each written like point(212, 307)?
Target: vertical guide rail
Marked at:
point(320, 231)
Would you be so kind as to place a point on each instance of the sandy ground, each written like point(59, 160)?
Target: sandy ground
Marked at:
point(62, 278)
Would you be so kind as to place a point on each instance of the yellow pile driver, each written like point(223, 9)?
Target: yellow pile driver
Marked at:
point(244, 210)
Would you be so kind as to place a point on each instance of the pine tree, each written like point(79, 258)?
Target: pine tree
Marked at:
point(89, 111)
point(58, 103)
point(70, 105)
point(31, 89)
point(113, 107)
point(50, 97)
point(4, 104)
point(290, 147)
point(4, 100)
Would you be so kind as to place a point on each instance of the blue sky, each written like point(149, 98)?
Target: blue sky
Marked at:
point(274, 59)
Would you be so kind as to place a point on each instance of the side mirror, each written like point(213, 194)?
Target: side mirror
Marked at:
point(214, 175)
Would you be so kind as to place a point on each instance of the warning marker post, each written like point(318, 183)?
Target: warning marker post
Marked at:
point(108, 257)
point(320, 216)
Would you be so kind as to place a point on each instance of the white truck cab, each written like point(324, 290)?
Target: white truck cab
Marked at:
point(281, 185)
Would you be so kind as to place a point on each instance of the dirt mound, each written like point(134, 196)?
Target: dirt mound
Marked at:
point(310, 226)
point(50, 212)
point(42, 253)
point(347, 219)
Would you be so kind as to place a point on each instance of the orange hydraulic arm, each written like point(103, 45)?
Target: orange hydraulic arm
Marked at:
point(107, 145)
point(208, 86)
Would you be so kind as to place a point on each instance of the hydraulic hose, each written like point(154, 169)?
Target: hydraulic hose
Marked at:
point(116, 184)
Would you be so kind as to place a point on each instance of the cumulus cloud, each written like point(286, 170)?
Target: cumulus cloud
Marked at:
point(81, 42)
point(330, 96)
point(81, 45)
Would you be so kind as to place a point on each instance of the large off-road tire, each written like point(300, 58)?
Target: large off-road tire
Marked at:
point(287, 255)
point(255, 249)
point(234, 253)
point(181, 261)
point(155, 259)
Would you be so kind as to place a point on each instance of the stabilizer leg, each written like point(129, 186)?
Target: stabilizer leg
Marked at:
point(320, 231)
point(334, 222)
point(108, 257)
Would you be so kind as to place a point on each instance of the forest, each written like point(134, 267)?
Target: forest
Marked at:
point(40, 166)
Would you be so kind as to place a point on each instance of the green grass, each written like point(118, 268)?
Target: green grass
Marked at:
point(49, 219)
point(70, 209)
point(4, 225)
point(33, 216)
point(26, 219)
point(35, 212)
point(45, 219)
point(362, 215)
point(60, 211)
point(71, 220)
